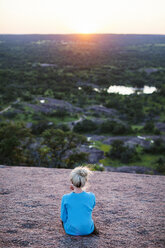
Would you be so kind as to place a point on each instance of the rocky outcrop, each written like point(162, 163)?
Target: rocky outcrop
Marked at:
point(160, 126)
point(47, 104)
point(149, 70)
point(101, 109)
point(129, 209)
point(94, 154)
point(94, 86)
point(144, 141)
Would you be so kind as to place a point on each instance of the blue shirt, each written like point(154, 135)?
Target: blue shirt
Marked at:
point(76, 213)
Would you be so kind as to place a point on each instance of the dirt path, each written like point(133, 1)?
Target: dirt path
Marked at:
point(4, 110)
point(129, 210)
point(7, 108)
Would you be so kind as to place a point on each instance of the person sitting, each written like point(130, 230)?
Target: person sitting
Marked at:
point(77, 206)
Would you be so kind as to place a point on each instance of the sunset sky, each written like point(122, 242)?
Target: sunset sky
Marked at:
point(82, 16)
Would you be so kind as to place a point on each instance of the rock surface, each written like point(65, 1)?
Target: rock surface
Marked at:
point(129, 210)
point(94, 154)
point(101, 109)
point(51, 104)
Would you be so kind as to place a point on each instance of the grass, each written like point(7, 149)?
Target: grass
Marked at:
point(137, 127)
point(103, 147)
point(23, 117)
point(147, 160)
point(106, 148)
point(110, 162)
point(29, 115)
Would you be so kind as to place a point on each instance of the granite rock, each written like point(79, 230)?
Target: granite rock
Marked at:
point(129, 209)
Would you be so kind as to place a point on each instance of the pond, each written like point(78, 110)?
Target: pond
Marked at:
point(123, 90)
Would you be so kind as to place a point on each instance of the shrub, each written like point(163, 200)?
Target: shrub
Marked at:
point(124, 153)
point(161, 165)
point(76, 158)
point(40, 127)
point(10, 114)
point(149, 127)
point(63, 127)
point(95, 167)
point(85, 126)
point(59, 113)
point(14, 139)
point(59, 143)
point(114, 127)
point(158, 147)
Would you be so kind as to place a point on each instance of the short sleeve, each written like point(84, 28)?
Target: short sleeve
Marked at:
point(63, 210)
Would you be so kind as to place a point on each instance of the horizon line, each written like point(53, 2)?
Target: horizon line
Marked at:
point(80, 34)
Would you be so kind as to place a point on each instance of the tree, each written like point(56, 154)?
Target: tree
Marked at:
point(49, 93)
point(158, 147)
point(115, 128)
point(160, 167)
point(58, 143)
point(117, 149)
point(39, 127)
point(124, 153)
point(162, 90)
point(14, 139)
point(149, 127)
point(85, 126)
point(76, 158)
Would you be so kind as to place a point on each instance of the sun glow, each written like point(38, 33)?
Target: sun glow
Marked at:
point(82, 16)
point(84, 27)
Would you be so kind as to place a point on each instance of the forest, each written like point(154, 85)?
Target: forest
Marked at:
point(68, 100)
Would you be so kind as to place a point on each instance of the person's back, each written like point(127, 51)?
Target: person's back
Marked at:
point(76, 207)
point(78, 215)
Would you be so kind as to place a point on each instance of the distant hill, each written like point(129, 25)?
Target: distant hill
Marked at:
point(103, 41)
point(129, 209)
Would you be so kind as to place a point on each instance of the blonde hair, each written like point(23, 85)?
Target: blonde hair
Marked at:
point(79, 176)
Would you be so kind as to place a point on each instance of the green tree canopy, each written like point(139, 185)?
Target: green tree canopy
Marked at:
point(60, 142)
point(13, 141)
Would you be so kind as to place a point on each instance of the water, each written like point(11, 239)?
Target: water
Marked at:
point(123, 90)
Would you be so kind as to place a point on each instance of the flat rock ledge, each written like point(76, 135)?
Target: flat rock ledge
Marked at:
point(129, 211)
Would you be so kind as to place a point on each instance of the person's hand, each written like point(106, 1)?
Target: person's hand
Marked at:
point(71, 187)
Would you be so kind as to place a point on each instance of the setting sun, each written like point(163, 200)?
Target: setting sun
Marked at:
point(84, 27)
point(82, 17)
